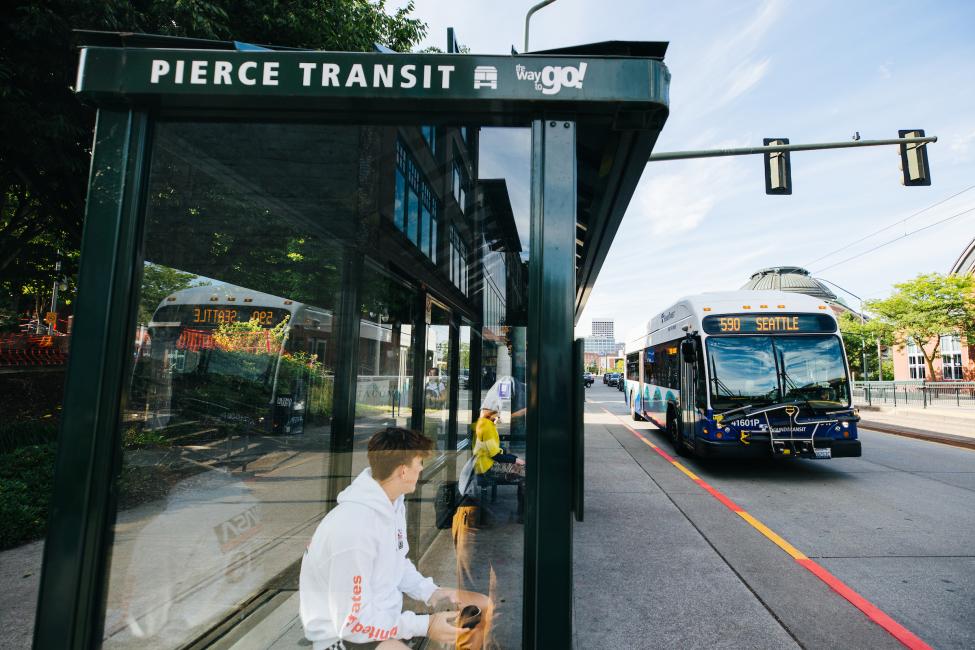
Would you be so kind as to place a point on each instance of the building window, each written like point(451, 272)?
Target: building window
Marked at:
point(416, 209)
point(915, 360)
point(430, 135)
point(951, 366)
point(413, 217)
point(460, 187)
point(399, 202)
point(458, 261)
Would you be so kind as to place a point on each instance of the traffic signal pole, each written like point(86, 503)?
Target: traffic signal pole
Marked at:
point(746, 151)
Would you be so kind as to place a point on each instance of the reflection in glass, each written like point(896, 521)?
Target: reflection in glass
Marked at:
point(465, 407)
point(813, 370)
point(742, 371)
point(262, 244)
point(228, 413)
point(385, 360)
point(760, 370)
point(436, 377)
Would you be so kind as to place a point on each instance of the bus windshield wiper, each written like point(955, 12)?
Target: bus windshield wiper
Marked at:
point(790, 390)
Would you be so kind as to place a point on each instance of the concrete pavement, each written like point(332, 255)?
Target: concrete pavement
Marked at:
point(945, 425)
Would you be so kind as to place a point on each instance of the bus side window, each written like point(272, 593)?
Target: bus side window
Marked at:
point(648, 366)
point(633, 366)
point(665, 370)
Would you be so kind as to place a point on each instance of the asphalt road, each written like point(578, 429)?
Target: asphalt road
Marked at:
point(897, 526)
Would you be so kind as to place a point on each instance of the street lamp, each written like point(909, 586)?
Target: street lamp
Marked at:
point(528, 17)
point(863, 345)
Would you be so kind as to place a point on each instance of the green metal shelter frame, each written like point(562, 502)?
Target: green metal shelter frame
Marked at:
point(593, 128)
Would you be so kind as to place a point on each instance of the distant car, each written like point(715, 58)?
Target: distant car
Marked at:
point(614, 379)
point(587, 379)
point(606, 377)
point(621, 384)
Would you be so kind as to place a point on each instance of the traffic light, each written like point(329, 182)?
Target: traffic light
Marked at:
point(778, 168)
point(914, 159)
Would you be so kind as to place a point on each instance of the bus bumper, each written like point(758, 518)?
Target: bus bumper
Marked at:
point(759, 448)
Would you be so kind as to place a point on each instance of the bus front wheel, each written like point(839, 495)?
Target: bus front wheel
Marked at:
point(675, 440)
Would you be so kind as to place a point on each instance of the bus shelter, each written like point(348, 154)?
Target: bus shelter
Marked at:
point(285, 251)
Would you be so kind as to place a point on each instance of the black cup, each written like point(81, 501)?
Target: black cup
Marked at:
point(469, 617)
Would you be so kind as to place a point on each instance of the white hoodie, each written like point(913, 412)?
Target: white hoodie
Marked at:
point(355, 571)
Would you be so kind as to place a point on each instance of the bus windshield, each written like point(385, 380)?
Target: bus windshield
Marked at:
point(763, 370)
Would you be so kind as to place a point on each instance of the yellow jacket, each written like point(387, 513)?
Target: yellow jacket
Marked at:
point(487, 444)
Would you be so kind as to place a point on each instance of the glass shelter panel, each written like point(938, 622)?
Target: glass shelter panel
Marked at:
point(385, 362)
point(279, 258)
point(437, 374)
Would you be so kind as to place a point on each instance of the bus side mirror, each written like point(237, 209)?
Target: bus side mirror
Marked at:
point(688, 351)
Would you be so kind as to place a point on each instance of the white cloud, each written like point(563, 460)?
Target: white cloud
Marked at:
point(676, 202)
point(744, 77)
point(961, 145)
point(885, 70)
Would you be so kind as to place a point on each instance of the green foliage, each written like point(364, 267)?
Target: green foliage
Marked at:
point(46, 134)
point(26, 477)
point(887, 370)
point(18, 433)
point(862, 337)
point(926, 307)
point(159, 282)
point(135, 437)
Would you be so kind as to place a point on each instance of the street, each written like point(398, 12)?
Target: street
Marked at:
point(895, 526)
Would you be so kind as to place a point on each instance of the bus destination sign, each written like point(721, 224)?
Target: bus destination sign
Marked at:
point(770, 324)
point(215, 315)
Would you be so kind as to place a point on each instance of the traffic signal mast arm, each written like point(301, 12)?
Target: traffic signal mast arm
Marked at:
point(778, 166)
point(745, 151)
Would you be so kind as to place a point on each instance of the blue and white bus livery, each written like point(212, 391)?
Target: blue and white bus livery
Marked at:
point(745, 373)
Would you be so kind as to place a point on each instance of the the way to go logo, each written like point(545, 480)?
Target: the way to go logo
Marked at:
point(551, 79)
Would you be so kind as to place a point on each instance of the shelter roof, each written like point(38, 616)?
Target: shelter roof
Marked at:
point(616, 92)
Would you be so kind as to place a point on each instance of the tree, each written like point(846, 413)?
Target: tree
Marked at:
point(159, 282)
point(861, 340)
point(46, 134)
point(925, 308)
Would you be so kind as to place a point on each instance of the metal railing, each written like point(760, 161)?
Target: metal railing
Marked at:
point(915, 394)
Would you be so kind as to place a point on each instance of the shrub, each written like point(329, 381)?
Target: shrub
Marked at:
point(26, 477)
point(15, 434)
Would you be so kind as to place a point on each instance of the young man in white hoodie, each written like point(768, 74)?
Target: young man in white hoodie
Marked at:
point(356, 569)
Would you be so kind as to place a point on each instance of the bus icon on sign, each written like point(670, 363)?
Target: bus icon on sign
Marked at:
point(486, 76)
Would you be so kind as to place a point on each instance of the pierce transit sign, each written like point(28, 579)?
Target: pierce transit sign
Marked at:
point(146, 72)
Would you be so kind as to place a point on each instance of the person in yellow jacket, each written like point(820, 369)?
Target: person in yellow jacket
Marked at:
point(490, 458)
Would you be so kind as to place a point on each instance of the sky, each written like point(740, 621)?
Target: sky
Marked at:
point(746, 70)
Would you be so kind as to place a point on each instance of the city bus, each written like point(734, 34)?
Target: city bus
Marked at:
point(227, 355)
point(235, 355)
point(745, 373)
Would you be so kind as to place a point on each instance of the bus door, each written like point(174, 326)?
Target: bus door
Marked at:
point(688, 388)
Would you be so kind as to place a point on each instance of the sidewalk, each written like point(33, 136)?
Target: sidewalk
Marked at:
point(944, 425)
point(20, 575)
